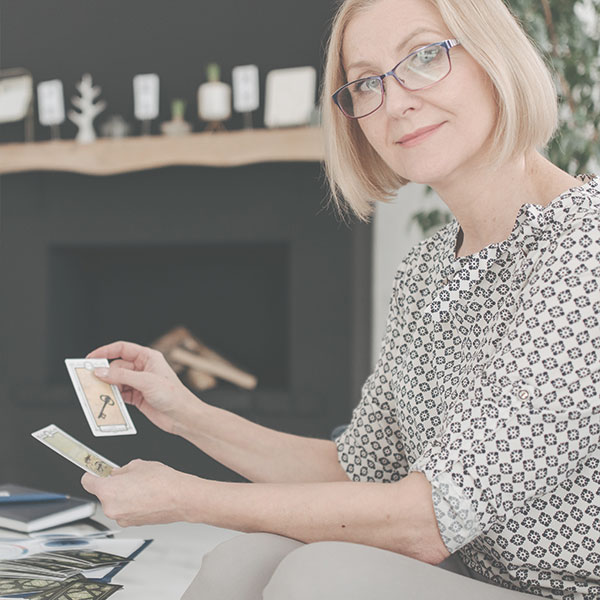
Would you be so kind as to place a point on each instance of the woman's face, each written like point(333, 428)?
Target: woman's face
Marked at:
point(461, 107)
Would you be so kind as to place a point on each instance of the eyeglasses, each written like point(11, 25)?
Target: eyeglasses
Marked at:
point(419, 70)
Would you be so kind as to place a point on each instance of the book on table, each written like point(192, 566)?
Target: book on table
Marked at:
point(31, 514)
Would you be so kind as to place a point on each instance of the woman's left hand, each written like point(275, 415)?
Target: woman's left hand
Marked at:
point(141, 493)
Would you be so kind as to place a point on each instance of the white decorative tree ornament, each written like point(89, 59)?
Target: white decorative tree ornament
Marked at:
point(88, 110)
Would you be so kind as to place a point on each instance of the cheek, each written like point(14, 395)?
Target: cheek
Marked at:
point(373, 130)
point(481, 107)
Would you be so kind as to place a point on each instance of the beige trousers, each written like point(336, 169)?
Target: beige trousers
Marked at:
point(263, 566)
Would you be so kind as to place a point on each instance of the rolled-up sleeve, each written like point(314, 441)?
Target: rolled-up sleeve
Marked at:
point(370, 448)
point(529, 415)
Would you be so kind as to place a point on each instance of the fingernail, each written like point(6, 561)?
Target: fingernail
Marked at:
point(101, 372)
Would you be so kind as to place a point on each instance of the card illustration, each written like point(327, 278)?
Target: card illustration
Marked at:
point(99, 397)
point(71, 449)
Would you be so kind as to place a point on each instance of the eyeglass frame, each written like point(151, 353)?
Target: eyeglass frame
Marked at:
point(446, 44)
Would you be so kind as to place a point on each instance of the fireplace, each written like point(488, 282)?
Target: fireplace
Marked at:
point(246, 258)
point(235, 297)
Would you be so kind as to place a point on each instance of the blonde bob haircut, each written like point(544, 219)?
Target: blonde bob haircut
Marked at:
point(523, 86)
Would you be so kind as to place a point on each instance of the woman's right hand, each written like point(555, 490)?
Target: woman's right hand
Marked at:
point(145, 380)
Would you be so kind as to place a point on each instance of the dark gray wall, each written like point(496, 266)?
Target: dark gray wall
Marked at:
point(117, 39)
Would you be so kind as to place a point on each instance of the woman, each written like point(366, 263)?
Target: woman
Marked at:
point(477, 434)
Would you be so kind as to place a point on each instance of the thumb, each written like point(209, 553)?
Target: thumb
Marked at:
point(138, 380)
point(88, 482)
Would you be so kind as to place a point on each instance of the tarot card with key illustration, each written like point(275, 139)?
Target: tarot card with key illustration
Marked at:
point(73, 450)
point(101, 402)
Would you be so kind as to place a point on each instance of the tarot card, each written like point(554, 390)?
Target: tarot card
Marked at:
point(32, 565)
point(12, 586)
point(57, 558)
point(29, 573)
point(93, 558)
point(71, 449)
point(101, 402)
point(85, 590)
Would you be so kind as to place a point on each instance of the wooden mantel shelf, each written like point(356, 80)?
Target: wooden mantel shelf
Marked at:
point(112, 156)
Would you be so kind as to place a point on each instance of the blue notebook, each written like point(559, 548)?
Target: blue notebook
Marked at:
point(34, 516)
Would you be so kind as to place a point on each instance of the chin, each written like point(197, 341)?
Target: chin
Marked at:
point(425, 171)
point(421, 176)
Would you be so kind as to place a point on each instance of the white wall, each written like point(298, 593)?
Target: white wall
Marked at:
point(394, 235)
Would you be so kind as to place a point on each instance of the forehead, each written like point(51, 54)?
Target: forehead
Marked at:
point(375, 33)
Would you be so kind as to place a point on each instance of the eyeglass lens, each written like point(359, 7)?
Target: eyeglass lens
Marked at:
point(417, 71)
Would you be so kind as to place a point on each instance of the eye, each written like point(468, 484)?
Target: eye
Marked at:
point(365, 86)
point(426, 56)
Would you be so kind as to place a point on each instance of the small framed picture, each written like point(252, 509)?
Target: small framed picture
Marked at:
point(16, 94)
point(51, 102)
point(290, 96)
point(146, 96)
point(245, 88)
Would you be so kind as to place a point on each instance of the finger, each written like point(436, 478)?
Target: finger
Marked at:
point(126, 350)
point(123, 364)
point(138, 380)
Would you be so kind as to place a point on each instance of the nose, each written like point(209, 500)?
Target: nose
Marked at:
point(397, 99)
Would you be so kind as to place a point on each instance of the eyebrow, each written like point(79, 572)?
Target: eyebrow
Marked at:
point(404, 42)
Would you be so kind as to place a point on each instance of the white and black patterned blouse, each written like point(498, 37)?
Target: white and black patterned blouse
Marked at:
point(488, 382)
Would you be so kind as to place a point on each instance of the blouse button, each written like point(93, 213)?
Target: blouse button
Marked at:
point(523, 394)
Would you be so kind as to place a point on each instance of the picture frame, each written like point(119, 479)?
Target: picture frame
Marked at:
point(290, 96)
point(16, 98)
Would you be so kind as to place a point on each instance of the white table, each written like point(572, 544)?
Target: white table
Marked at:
point(164, 570)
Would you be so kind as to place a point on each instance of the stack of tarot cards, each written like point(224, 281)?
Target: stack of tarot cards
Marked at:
point(58, 575)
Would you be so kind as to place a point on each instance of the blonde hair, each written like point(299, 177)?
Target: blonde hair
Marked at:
point(523, 86)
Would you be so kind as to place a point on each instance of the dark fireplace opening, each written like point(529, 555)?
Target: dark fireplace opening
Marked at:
point(235, 297)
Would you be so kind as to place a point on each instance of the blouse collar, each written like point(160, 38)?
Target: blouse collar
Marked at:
point(534, 223)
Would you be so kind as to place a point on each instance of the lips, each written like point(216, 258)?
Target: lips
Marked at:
point(418, 133)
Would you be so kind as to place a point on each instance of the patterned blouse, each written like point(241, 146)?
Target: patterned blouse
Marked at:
point(488, 382)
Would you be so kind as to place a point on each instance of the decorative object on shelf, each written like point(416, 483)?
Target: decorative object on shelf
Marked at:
point(115, 127)
point(177, 125)
point(16, 98)
point(184, 352)
point(290, 96)
point(51, 105)
point(146, 94)
point(214, 99)
point(245, 92)
point(89, 110)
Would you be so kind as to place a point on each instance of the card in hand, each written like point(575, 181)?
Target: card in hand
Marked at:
point(101, 402)
point(71, 449)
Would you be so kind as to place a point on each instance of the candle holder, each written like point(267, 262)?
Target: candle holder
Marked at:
point(214, 100)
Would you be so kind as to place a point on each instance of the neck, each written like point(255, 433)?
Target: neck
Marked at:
point(486, 203)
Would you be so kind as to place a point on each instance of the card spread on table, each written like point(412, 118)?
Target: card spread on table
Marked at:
point(73, 450)
point(101, 402)
point(55, 567)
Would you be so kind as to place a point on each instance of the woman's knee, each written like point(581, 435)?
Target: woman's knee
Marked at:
point(318, 570)
point(239, 568)
point(245, 549)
